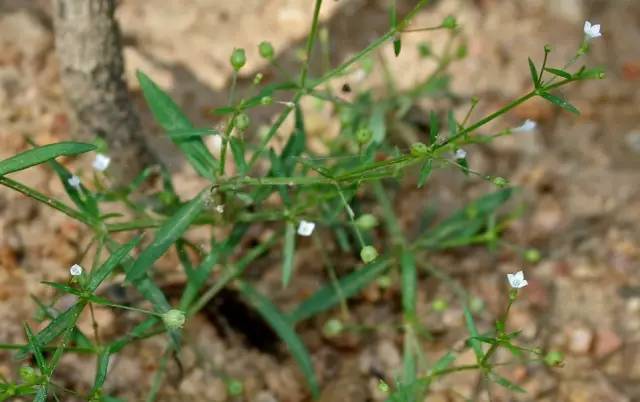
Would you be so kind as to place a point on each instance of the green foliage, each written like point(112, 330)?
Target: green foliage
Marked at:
point(270, 189)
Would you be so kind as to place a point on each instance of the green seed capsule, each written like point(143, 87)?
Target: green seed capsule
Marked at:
point(363, 135)
point(532, 255)
point(500, 181)
point(419, 149)
point(238, 59)
point(242, 121)
point(174, 319)
point(367, 222)
point(368, 254)
point(554, 358)
point(332, 328)
point(266, 50)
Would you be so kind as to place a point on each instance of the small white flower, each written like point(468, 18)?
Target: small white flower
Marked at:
point(517, 280)
point(101, 163)
point(75, 270)
point(220, 209)
point(526, 127)
point(306, 228)
point(592, 31)
point(74, 181)
point(461, 153)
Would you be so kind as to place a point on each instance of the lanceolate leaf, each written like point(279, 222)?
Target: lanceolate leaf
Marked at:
point(42, 154)
point(285, 331)
point(172, 119)
point(101, 273)
point(166, 235)
point(329, 296)
point(534, 74)
point(560, 102)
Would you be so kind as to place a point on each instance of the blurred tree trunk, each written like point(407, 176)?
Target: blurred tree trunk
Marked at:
point(92, 72)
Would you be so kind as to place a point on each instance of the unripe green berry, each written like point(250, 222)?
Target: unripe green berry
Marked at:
point(242, 121)
point(266, 50)
point(419, 149)
point(363, 135)
point(532, 255)
point(449, 22)
point(174, 319)
point(266, 100)
point(367, 222)
point(238, 59)
point(28, 374)
point(332, 328)
point(368, 254)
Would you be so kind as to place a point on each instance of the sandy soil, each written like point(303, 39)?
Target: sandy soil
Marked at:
point(578, 176)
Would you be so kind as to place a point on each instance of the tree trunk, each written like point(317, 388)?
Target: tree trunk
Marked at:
point(92, 72)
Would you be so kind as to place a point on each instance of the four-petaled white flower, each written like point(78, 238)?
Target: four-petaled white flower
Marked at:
point(220, 209)
point(75, 270)
point(74, 181)
point(101, 163)
point(461, 153)
point(592, 31)
point(517, 280)
point(305, 228)
point(528, 126)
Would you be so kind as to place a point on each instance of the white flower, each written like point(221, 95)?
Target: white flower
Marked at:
point(74, 181)
point(592, 31)
point(101, 163)
point(461, 153)
point(75, 270)
point(306, 228)
point(517, 280)
point(528, 126)
point(220, 209)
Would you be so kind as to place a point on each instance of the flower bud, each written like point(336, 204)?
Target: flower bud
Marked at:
point(238, 59)
point(368, 254)
point(174, 319)
point(266, 50)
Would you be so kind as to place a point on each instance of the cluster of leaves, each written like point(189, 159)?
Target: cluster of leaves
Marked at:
point(330, 190)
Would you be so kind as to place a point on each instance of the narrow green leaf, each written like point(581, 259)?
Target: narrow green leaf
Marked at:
point(558, 72)
point(534, 73)
point(425, 172)
point(593, 73)
point(83, 199)
point(434, 127)
point(473, 332)
point(295, 145)
point(464, 165)
point(328, 296)
point(191, 133)
point(444, 362)
point(172, 119)
point(397, 45)
point(104, 270)
point(101, 370)
point(140, 331)
point(409, 283)
point(41, 395)
point(59, 324)
point(237, 149)
point(166, 235)
point(36, 349)
point(560, 102)
point(285, 331)
point(36, 156)
point(453, 125)
point(288, 253)
point(507, 384)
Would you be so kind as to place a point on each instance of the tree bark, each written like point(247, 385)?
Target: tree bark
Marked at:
point(92, 71)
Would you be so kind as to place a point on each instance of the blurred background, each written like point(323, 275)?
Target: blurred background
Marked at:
point(578, 176)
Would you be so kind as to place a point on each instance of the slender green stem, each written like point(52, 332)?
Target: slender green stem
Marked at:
point(225, 141)
point(310, 42)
